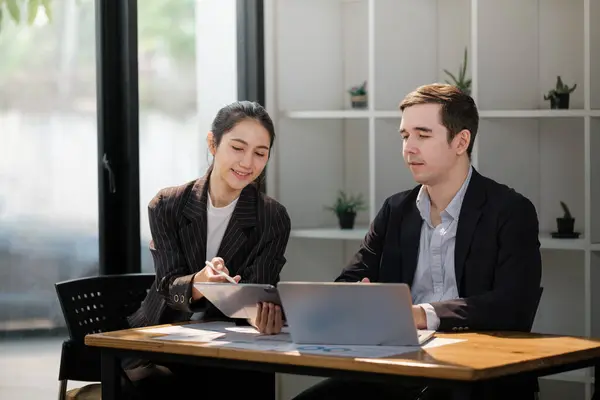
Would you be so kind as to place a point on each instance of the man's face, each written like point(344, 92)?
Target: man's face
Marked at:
point(426, 150)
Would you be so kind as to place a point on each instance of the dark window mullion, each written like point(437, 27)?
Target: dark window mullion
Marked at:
point(118, 136)
point(250, 55)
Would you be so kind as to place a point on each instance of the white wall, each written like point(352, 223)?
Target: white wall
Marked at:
point(321, 49)
point(524, 45)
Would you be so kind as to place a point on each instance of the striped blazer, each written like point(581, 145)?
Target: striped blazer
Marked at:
point(253, 247)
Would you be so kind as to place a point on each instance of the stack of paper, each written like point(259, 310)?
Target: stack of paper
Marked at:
point(228, 335)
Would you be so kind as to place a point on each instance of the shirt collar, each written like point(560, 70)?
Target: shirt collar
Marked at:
point(453, 209)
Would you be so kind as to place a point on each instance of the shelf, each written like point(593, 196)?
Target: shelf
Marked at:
point(595, 247)
point(549, 243)
point(534, 113)
point(349, 114)
point(341, 114)
point(358, 233)
point(387, 114)
point(327, 114)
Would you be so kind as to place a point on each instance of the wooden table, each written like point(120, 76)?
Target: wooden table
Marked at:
point(483, 356)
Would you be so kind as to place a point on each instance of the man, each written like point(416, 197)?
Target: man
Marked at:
point(466, 245)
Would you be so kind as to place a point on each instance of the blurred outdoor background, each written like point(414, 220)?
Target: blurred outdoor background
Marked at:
point(48, 150)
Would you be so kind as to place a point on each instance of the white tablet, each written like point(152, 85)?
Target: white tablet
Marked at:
point(238, 301)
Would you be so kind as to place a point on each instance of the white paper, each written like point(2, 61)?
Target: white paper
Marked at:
point(198, 337)
point(263, 345)
point(329, 350)
point(353, 351)
point(226, 331)
point(228, 335)
point(369, 351)
point(190, 329)
point(437, 342)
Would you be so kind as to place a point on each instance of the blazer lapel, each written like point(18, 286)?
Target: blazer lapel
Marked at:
point(467, 222)
point(410, 235)
point(193, 235)
point(243, 217)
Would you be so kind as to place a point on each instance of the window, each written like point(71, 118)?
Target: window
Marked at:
point(48, 167)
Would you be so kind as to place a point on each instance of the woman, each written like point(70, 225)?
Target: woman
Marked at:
point(222, 217)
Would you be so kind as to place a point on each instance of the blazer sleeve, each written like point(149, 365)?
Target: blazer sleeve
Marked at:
point(270, 258)
point(365, 262)
point(173, 275)
point(517, 277)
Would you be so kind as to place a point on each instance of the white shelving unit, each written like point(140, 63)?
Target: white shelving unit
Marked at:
point(317, 49)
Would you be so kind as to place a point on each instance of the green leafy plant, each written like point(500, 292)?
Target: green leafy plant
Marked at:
point(15, 9)
point(567, 213)
point(345, 204)
point(461, 82)
point(359, 90)
point(560, 88)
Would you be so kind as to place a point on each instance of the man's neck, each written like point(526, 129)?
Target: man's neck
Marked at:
point(442, 193)
point(220, 193)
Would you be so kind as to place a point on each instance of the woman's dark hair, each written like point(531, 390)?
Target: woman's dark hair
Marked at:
point(232, 114)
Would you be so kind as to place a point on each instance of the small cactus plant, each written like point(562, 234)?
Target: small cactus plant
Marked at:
point(567, 213)
point(565, 224)
point(559, 96)
point(461, 82)
point(358, 90)
point(358, 95)
point(346, 207)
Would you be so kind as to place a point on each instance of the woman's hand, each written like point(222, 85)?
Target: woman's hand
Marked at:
point(208, 275)
point(269, 318)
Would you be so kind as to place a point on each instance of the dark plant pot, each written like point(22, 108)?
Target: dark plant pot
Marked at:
point(560, 101)
point(346, 220)
point(565, 225)
point(359, 101)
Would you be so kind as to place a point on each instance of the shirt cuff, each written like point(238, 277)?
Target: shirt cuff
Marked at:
point(433, 321)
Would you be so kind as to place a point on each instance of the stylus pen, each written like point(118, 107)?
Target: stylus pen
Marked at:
point(221, 273)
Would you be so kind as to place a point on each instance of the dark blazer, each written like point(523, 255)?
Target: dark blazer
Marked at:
point(497, 256)
point(253, 247)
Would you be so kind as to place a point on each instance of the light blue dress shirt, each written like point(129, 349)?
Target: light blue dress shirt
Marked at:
point(434, 278)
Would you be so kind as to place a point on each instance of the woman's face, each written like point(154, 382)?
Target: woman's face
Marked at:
point(242, 154)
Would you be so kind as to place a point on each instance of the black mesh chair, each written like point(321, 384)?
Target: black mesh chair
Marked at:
point(92, 305)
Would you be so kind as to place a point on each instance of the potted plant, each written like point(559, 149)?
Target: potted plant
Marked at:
point(358, 95)
point(559, 96)
point(461, 82)
point(346, 207)
point(566, 223)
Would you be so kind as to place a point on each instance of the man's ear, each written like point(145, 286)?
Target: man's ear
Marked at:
point(211, 144)
point(462, 141)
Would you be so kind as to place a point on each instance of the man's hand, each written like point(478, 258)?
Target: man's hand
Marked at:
point(208, 275)
point(418, 312)
point(269, 318)
point(419, 317)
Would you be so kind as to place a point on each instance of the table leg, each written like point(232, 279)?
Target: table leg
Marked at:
point(595, 395)
point(111, 379)
point(270, 387)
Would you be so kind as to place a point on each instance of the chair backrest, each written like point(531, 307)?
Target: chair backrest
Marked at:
point(101, 303)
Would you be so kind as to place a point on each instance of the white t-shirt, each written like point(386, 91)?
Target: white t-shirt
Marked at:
point(216, 223)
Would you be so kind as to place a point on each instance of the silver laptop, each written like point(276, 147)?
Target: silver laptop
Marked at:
point(350, 313)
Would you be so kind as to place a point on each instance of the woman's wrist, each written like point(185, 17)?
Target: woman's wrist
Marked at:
point(196, 295)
